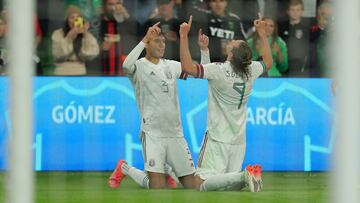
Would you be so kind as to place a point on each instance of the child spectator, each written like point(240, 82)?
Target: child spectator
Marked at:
point(296, 33)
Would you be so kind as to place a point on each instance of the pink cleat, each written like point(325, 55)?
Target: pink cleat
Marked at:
point(171, 183)
point(253, 176)
point(258, 174)
point(117, 176)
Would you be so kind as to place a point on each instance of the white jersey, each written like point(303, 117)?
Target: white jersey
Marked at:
point(227, 100)
point(156, 93)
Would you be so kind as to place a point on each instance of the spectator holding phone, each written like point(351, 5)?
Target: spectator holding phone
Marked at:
point(72, 44)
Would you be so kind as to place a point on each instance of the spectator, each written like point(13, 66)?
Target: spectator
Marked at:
point(140, 9)
point(89, 8)
point(72, 44)
point(169, 25)
point(199, 10)
point(278, 49)
point(3, 32)
point(221, 27)
point(296, 33)
point(248, 11)
point(186, 8)
point(38, 32)
point(3, 52)
point(38, 38)
point(318, 37)
point(118, 34)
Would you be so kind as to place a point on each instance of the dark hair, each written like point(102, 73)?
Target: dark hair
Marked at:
point(241, 60)
point(162, 34)
point(78, 40)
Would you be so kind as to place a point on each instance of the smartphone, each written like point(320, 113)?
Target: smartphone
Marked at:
point(79, 22)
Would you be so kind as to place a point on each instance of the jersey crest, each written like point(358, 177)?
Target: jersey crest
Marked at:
point(168, 75)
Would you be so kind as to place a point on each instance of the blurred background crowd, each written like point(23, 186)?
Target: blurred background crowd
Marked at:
point(93, 37)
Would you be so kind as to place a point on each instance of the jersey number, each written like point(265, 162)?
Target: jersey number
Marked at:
point(240, 88)
point(164, 86)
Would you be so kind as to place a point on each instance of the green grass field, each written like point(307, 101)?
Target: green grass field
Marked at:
point(91, 187)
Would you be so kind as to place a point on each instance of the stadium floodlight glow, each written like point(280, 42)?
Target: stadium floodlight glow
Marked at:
point(21, 46)
point(346, 50)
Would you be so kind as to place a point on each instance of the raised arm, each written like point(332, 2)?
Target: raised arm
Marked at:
point(185, 56)
point(203, 42)
point(136, 52)
point(260, 29)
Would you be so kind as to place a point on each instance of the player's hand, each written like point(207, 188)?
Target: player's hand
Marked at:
point(185, 28)
point(229, 47)
point(152, 32)
point(260, 26)
point(203, 41)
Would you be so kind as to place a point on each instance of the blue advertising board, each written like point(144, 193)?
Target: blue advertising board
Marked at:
point(88, 123)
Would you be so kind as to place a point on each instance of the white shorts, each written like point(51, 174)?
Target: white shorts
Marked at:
point(158, 152)
point(219, 158)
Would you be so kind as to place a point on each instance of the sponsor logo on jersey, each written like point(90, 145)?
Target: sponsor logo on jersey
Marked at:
point(222, 33)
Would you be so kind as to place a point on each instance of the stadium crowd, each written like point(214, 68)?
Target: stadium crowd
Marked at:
point(98, 44)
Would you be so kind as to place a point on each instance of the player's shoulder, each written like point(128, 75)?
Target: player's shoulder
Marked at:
point(141, 61)
point(217, 65)
point(258, 66)
point(257, 63)
point(166, 60)
point(169, 62)
point(226, 64)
